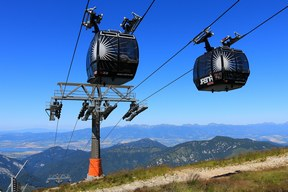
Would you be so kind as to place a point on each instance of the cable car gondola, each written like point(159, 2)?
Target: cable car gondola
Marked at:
point(222, 68)
point(113, 56)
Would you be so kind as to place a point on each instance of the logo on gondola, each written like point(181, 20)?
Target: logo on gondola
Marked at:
point(108, 48)
point(206, 80)
point(223, 59)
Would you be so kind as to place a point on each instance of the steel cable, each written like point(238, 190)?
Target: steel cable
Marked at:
point(167, 61)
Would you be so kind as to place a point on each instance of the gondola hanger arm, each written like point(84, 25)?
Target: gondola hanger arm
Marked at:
point(130, 26)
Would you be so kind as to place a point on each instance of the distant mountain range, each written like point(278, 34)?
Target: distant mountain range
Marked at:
point(23, 144)
point(142, 153)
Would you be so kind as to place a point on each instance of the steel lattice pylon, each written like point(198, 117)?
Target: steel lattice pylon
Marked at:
point(93, 95)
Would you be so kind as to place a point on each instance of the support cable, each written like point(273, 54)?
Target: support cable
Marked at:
point(76, 45)
point(252, 30)
point(167, 85)
point(56, 132)
point(55, 138)
point(228, 41)
point(191, 69)
point(71, 136)
point(172, 57)
point(181, 76)
point(161, 89)
point(222, 14)
point(70, 67)
point(72, 62)
point(179, 51)
point(111, 130)
point(144, 15)
point(166, 62)
point(85, 147)
point(188, 44)
point(148, 97)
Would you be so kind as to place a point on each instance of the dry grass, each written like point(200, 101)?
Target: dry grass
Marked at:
point(272, 179)
point(268, 180)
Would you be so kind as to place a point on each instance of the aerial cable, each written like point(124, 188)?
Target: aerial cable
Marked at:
point(55, 138)
point(172, 57)
point(71, 63)
point(56, 132)
point(85, 147)
point(222, 15)
point(238, 37)
point(76, 45)
point(167, 85)
point(184, 47)
point(181, 76)
point(192, 69)
point(143, 16)
point(71, 136)
point(167, 61)
point(264, 22)
point(179, 51)
point(111, 130)
point(217, 19)
point(155, 71)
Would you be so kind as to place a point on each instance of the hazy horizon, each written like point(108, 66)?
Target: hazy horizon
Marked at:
point(40, 130)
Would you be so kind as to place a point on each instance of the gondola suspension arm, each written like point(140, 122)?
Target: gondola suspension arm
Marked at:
point(204, 35)
point(130, 26)
point(201, 37)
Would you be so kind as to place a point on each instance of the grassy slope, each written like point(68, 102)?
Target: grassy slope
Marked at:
point(258, 181)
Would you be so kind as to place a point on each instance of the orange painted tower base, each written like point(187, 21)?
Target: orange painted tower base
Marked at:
point(95, 168)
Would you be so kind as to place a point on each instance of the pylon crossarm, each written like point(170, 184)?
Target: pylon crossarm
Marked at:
point(58, 178)
point(121, 95)
point(82, 92)
point(98, 103)
point(87, 92)
point(62, 91)
point(106, 91)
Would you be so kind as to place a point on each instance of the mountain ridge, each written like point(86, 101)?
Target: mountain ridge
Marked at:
point(21, 145)
point(131, 155)
point(218, 147)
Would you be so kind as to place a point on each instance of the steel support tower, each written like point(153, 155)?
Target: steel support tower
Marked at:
point(93, 96)
point(59, 178)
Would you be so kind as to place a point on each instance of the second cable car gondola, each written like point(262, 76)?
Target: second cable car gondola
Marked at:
point(113, 56)
point(222, 68)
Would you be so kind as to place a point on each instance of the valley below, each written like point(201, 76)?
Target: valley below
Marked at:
point(129, 148)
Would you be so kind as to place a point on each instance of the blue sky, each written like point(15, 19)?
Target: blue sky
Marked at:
point(38, 37)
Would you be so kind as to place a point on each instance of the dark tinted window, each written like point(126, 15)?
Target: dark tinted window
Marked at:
point(128, 50)
point(195, 70)
point(242, 62)
point(204, 65)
